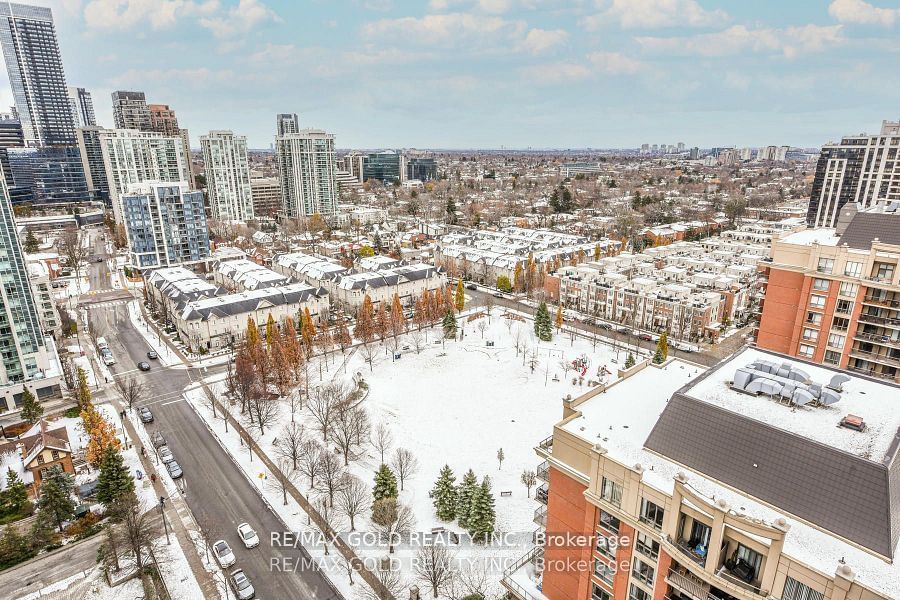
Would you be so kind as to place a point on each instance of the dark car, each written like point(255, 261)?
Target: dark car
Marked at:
point(471, 286)
point(605, 326)
point(144, 366)
point(623, 330)
point(146, 415)
point(152, 355)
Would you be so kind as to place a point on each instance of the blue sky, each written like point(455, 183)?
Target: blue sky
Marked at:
point(492, 73)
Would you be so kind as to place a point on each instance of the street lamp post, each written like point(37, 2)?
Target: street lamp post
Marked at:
point(162, 500)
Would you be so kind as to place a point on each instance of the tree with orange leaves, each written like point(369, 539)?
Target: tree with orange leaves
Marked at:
point(307, 331)
point(382, 322)
point(101, 434)
point(290, 345)
point(420, 313)
point(341, 332)
point(365, 321)
point(398, 319)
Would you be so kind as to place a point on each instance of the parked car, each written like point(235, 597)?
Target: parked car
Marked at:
point(165, 454)
point(145, 414)
point(144, 366)
point(174, 469)
point(605, 326)
point(248, 536)
point(645, 337)
point(152, 355)
point(241, 585)
point(498, 295)
point(471, 286)
point(224, 555)
point(623, 330)
point(158, 439)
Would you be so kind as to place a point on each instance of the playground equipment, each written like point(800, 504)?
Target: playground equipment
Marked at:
point(582, 364)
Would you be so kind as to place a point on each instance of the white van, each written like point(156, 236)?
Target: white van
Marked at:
point(101, 344)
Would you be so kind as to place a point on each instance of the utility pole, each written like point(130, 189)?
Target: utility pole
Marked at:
point(162, 500)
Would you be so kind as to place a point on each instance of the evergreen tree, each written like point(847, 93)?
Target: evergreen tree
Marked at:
point(56, 496)
point(443, 495)
point(84, 391)
point(32, 411)
point(14, 499)
point(449, 325)
point(481, 514)
point(115, 481)
point(464, 496)
point(385, 483)
point(629, 361)
point(460, 300)
point(31, 243)
point(543, 327)
point(14, 548)
point(662, 346)
point(658, 357)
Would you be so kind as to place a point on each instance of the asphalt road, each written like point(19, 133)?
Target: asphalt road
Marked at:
point(45, 570)
point(99, 273)
point(218, 494)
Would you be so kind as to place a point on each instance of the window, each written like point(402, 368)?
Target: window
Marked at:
point(825, 265)
point(806, 350)
point(606, 546)
point(794, 590)
point(605, 572)
point(852, 269)
point(810, 334)
point(642, 572)
point(832, 357)
point(848, 289)
point(820, 285)
point(840, 324)
point(651, 513)
point(844, 306)
point(814, 318)
point(884, 271)
point(609, 522)
point(836, 340)
point(55, 454)
point(598, 593)
point(636, 593)
point(752, 558)
point(40, 459)
point(611, 492)
point(817, 301)
point(646, 545)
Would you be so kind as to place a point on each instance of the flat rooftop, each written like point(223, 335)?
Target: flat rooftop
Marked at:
point(864, 397)
point(823, 236)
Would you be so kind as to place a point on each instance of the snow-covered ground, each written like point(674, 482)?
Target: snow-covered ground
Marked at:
point(456, 403)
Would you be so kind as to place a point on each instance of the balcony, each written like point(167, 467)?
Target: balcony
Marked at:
point(689, 585)
point(543, 472)
point(883, 359)
point(877, 301)
point(545, 447)
point(883, 340)
point(876, 320)
point(542, 493)
point(872, 373)
point(520, 578)
point(540, 516)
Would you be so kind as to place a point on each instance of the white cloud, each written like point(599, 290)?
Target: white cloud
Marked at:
point(538, 41)
point(652, 14)
point(495, 7)
point(452, 29)
point(125, 14)
point(244, 17)
point(789, 42)
point(614, 63)
point(862, 13)
point(555, 73)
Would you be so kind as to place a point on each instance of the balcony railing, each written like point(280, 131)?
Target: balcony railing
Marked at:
point(543, 471)
point(540, 516)
point(542, 493)
point(874, 356)
point(533, 556)
point(872, 373)
point(876, 320)
point(881, 301)
point(884, 340)
point(546, 444)
point(690, 585)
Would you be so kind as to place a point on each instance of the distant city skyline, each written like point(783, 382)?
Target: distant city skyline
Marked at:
point(513, 74)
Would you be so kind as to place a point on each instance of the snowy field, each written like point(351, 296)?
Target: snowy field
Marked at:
point(455, 403)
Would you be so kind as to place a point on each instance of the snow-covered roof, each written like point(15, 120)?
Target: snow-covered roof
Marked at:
point(824, 236)
point(249, 301)
point(250, 275)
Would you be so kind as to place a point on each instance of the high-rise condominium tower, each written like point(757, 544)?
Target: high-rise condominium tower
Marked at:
point(287, 123)
point(28, 359)
point(36, 74)
point(130, 111)
point(306, 169)
point(227, 175)
point(861, 168)
point(82, 107)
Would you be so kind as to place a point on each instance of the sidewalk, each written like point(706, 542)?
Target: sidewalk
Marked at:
point(180, 526)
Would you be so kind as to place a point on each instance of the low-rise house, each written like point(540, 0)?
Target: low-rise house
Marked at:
point(39, 449)
point(245, 275)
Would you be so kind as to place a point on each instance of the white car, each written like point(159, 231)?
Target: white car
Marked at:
point(224, 555)
point(166, 455)
point(248, 536)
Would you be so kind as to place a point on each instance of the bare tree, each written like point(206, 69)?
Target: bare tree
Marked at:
point(295, 403)
point(482, 325)
point(283, 479)
point(244, 381)
point(390, 579)
point(393, 520)
point(325, 403)
point(262, 410)
point(468, 582)
point(382, 439)
point(434, 567)
point(532, 359)
point(352, 499)
point(310, 462)
point(74, 252)
point(530, 480)
point(418, 341)
point(405, 464)
point(369, 354)
point(137, 530)
point(332, 475)
point(131, 390)
point(519, 338)
point(349, 427)
point(290, 444)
